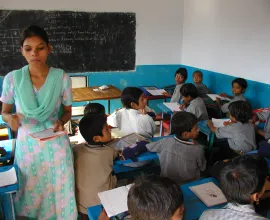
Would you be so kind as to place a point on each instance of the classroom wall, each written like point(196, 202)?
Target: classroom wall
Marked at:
point(229, 37)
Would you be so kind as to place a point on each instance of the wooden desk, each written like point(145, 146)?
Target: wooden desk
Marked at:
point(88, 94)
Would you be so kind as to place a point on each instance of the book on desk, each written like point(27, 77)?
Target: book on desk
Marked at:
point(8, 179)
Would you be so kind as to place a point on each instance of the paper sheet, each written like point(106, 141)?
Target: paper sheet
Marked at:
point(215, 96)
point(115, 201)
point(46, 134)
point(156, 91)
point(219, 123)
point(8, 177)
point(173, 106)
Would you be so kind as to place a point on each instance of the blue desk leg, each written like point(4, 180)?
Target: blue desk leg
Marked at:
point(8, 206)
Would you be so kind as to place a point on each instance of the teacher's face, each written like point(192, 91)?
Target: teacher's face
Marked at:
point(35, 51)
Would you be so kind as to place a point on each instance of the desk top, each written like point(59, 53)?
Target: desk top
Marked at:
point(88, 94)
point(193, 205)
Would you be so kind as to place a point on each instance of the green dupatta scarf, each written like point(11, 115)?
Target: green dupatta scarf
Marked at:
point(42, 106)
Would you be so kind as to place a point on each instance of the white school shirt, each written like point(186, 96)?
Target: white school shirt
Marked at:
point(131, 120)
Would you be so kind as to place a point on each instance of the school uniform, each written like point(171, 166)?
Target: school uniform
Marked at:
point(180, 160)
point(93, 173)
point(202, 89)
point(232, 212)
point(131, 120)
point(177, 97)
point(197, 107)
point(225, 107)
point(241, 137)
point(265, 116)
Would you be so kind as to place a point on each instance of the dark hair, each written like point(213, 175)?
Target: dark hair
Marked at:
point(91, 125)
point(94, 108)
point(197, 72)
point(189, 89)
point(242, 177)
point(182, 122)
point(33, 31)
point(129, 95)
point(241, 111)
point(154, 199)
point(242, 82)
point(182, 71)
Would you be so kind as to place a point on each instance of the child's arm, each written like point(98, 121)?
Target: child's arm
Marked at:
point(225, 95)
point(167, 94)
point(201, 160)
point(211, 126)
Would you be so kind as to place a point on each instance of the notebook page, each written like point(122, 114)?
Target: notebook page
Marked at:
point(173, 106)
point(48, 133)
point(219, 123)
point(215, 96)
point(8, 177)
point(133, 138)
point(114, 201)
point(209, 194)
point(156, 91)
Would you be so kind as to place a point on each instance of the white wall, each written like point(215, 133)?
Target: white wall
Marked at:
point(228, 36)
point(159, 23)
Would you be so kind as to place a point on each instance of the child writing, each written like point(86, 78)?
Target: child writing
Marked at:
point(93, 162)
point(239, 132)
point(243, 182)
point(192, 102)
point(133, 117)
point(202, 88)
point(158, 199)
point(180, 78)
point(181, 158)
point(239, 86)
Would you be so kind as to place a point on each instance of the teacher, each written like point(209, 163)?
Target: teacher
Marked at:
point(42, 96)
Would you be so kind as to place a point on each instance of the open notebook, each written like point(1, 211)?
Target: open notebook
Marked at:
point(46, 134)
point(115, 201)
point(209, 194)
point(156, 91)
point(8, 177)
point(173, 106)
point(219, 123)
point(215, 96)
point(126, 141)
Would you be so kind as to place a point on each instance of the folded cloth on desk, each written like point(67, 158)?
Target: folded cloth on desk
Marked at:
point(133, 151)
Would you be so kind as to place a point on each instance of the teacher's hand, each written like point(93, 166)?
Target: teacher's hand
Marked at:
point(58, 126)
point(14, 121)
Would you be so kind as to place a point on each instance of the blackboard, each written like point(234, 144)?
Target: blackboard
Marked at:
point(82, 41)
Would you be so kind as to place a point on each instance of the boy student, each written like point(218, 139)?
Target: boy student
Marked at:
point(181, 158)
point(243, 182)
point(158, 199)
point(239, 86)
point(264, 116)
point(133, 117)
point(180, 78)
point(239, 132)
point(202, 88)
point(93, 161)
point(192, 102)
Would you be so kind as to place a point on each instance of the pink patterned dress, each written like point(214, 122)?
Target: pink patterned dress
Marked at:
point(46, 175)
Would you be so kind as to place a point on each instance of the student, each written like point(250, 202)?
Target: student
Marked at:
point(264, 116)
point(202, 88)
point(180, 78)
point(158, 199)
point(193, 103)
point(240, 133)
point(181, 158)
point(243, 182)
point(93, 161)
point(239, 86)
point(133, 118)
point(91, 108)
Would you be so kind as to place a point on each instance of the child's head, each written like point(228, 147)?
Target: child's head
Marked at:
point(184, 125)
point(180, 75)
point(94, 129)
point(94, 108)
point(159, 199)
point(133, 97)
point(189, 92)
point(240, 111)
point(239, 86)
point(243, 180)
point(197, 77)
